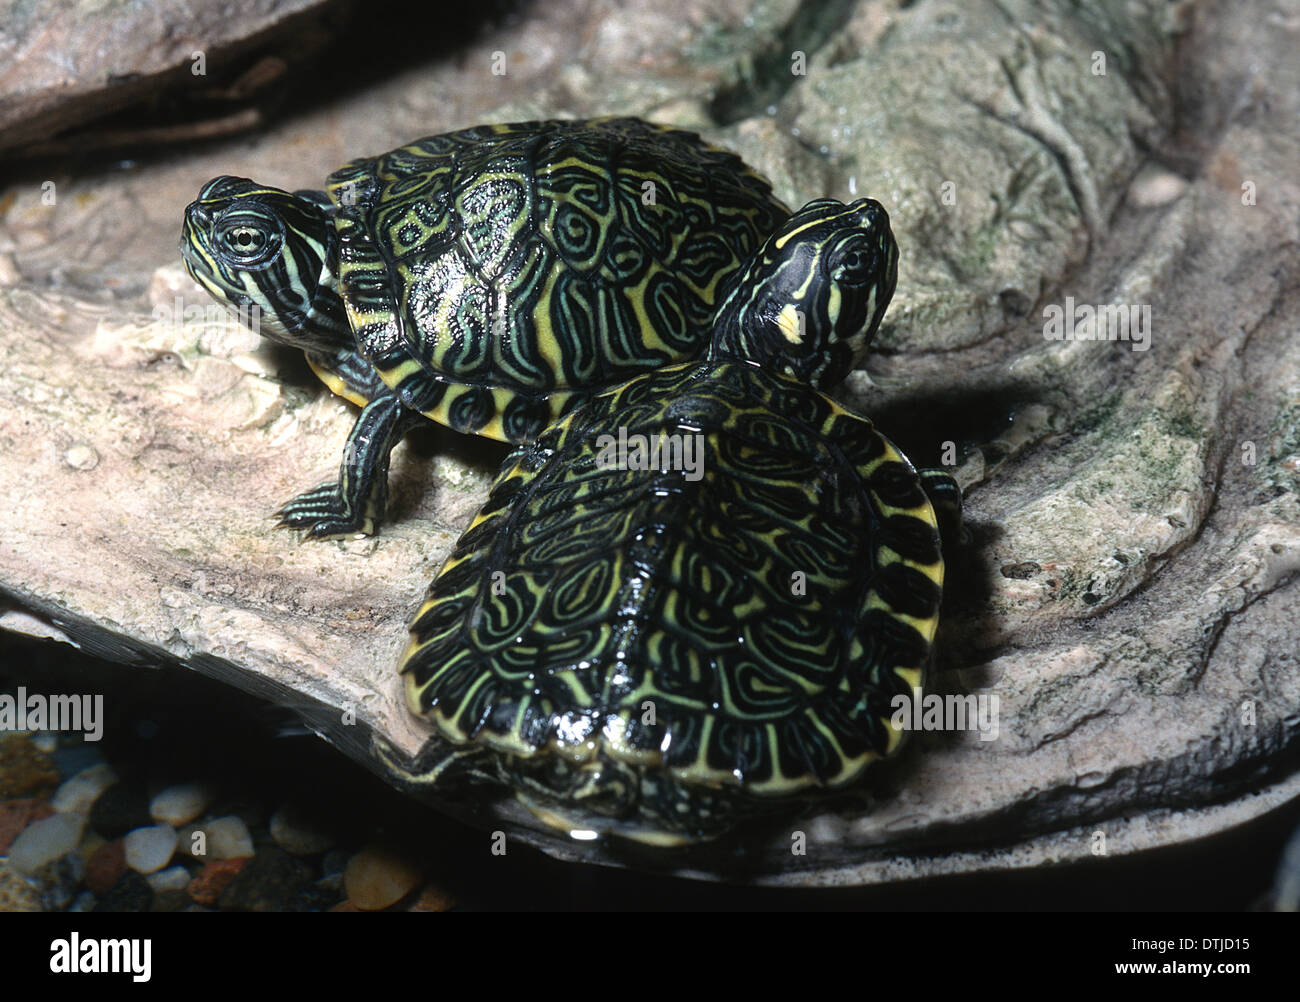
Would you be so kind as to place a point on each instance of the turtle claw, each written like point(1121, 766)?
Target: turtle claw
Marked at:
point(325, 514)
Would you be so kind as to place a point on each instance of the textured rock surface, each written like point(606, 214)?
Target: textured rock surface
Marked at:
point(1128, 593)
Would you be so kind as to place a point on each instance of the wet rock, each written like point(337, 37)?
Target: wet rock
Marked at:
point(298, 832)
point(151, 848)
point(270, 882)
point(131, 893)
point(80, 792)
point(105, 866)
point(15, 815)
point(209, 883)
point(379, 876)
point(178, 805)
point(120, 809)
point(25, 770)
point(60, 880)
point(46, 840)
point(18, 892)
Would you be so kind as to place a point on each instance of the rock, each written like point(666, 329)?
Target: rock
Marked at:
point(432, 899)
point(170, 900)
point(25, 770)
point(215, 877)
point(379, 876)
point(174, 878)
point(1155, 491)
point(270, 882)
point(18, 892)
point(105, 866)
point(131, 893)
point(120, 809)
point(178, 805)
point(15, 815)
point(151, 848)
point(316, 897)
point(298, 832)
point(45, 841)
point(59, 881)
point(81, 791)
point(228, 838)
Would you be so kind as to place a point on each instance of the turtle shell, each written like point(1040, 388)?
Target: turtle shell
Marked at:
point(672, 640)
point(493, 274)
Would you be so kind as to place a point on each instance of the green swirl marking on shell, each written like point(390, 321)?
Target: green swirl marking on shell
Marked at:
point(581, 592)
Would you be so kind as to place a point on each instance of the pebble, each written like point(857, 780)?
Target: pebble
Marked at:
point(378, 876)
point(130, 894)
point(297, 832)
point(179, 805)
point(119, 809)
point(270, 882)
point(60, 880)
point(45, 841)
point(46, 742)
point(174, 878)
point(150, 849)
point(105, 866)
point(83, 789)
point(315, 898)
point(215, 877)
point(25, 770)
point(17, 892)
point(170, 900)
point(228, 838)
point(15, 815)
point(432, 899)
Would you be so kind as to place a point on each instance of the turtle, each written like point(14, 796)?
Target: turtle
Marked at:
point(486, 279)
point(697, 597)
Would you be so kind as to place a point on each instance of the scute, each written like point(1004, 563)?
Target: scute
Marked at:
point(769, 611)
point(539, 258)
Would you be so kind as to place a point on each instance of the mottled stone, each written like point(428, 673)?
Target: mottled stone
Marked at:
point(80, 792)
point(15, 815)
point(25, 770)
point(149, 849)
point(271, 882)
point(45, 841)
point(379, 876)
point(214, 878)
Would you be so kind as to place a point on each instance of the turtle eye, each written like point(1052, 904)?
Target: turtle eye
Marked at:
point(854, 267)
point(247, 243)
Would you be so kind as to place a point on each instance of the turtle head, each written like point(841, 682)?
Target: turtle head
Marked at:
point(263, 249)
point(811, 298)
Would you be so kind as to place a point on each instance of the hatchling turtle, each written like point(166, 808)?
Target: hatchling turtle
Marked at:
point(486, 279)
point(657, 644)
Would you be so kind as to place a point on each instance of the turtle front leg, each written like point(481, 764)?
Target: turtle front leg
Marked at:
point(354, 505)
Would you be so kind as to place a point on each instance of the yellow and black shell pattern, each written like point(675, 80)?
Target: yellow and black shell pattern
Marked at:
point(494, 275)
point(658, 644)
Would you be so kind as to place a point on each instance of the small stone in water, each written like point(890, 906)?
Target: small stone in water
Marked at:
point(228, 838)
point(377, 877)
point(45, 841)
point(178, 805)
point(83, 789)
point(297, 832)
point(174, 878)
point(150, 849)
